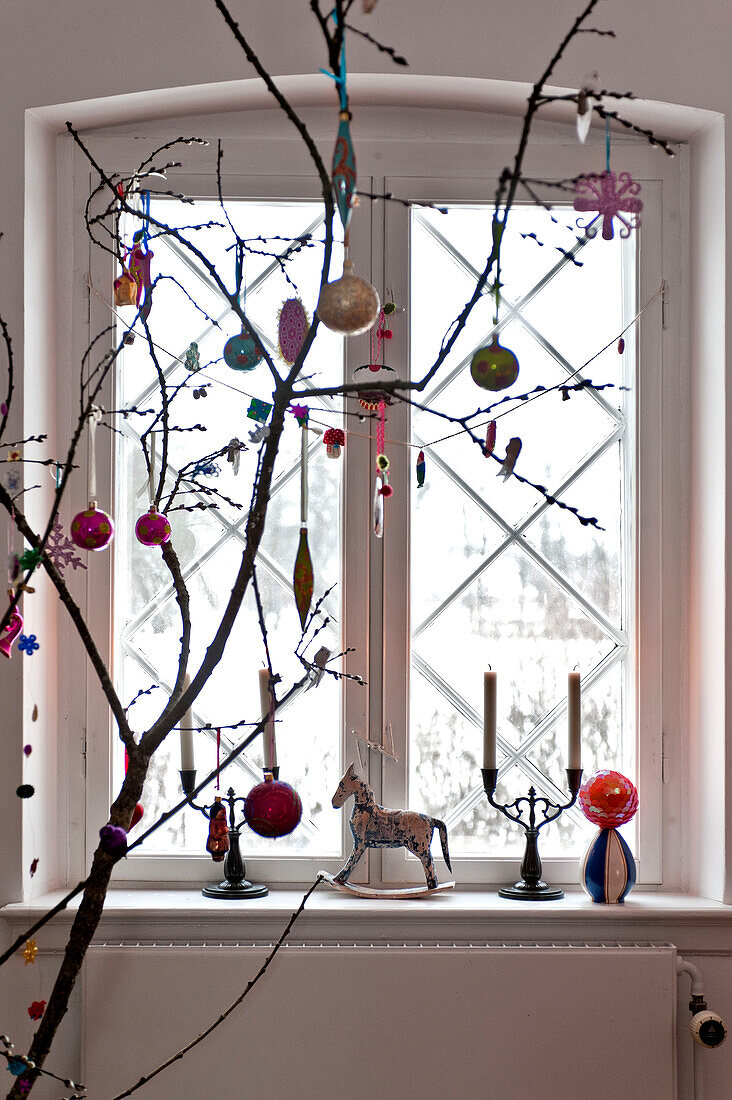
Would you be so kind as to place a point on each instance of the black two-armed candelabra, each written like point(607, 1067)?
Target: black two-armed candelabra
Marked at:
point(235, 885)
point(530, 886)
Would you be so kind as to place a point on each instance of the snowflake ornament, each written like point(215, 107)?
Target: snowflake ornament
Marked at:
point(28, 644)
point(61, 550)
point(611, 195)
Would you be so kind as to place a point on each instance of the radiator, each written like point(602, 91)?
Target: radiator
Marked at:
point(355, 1022)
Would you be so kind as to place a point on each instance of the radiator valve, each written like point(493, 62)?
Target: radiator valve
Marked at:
point(707, 1028)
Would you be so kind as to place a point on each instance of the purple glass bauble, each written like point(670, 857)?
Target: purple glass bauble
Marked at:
point(273, 808)
point(242, 352)
point(153, 529)
point(92, 529)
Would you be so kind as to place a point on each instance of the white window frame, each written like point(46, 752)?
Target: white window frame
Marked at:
point(387, 699)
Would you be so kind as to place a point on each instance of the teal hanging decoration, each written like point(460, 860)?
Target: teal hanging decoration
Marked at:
point(344, 168)
point(344, 158)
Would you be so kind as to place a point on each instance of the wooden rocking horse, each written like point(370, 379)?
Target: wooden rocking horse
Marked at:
point(374, 827)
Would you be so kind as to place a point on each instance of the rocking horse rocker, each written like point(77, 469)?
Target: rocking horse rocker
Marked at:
point(374, 827)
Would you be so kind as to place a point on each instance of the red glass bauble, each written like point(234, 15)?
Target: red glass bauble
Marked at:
point(136, 816)
point(494, 367)
point(608, 799)
point(153, 529)
point(273, 808)
point(92, 529)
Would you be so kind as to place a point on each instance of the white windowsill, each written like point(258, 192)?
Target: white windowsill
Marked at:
point(180, 916)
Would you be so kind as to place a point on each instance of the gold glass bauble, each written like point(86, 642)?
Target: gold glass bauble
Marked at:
point(349, 305)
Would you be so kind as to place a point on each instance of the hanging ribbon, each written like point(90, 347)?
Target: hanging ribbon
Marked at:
point(344, 157)
point(218, 756)
point(151, 474)
point(95, 416)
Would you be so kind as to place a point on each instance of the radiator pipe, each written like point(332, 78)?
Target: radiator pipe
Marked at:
point(707, 1029)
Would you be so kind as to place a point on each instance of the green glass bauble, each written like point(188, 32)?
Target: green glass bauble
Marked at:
point(494, 367)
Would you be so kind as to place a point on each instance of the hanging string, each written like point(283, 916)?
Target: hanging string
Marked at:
point(218, 756)
point(151, 474)
point(376, 337)
point(607, 143)
point(340, 77)
point(95, 415)
point(145, 195)
point(381, 429)
point(304, 475)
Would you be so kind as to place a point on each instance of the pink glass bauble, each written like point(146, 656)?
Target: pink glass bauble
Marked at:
point(11, 632)
point(349, 305)
point(153, 529)
point(273, 808)
point(494, 367)
point(92, 529)
point(608, 799)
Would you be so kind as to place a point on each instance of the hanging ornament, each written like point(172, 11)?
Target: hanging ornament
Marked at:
point(377, 507)
point(303, 581)
point(36, 1009)
point(243, 352)
point(349, 305)
point(137, 813)
point(33, 867)
point(125, 290)
point(113, 840)
point(490, 439)
point(590, 84)
point(28, 644)
point(610, 196)
point(259, 410)
point(25, 790)
point(334, 439)
point(292, 329)
point(272, 808)
point(420, 470)
point(344, 165)
point(12, 630)
point(513, 450)
point(92, 529)
point(30, 951)
point(382, 462)
point(370, 375)
point(192, 358)
point(139, 259)
point(60, 549)
point(217, 844)
point(233, 453)
point(153, 528)
point(621, 346)
point(494, 367)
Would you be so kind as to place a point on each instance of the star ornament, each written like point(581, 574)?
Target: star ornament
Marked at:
point(30, 951)
point(612, 196)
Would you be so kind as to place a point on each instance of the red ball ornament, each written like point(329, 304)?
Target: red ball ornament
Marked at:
point(273, 808)
point(92, 529)
point(494, 367)
point(136, 816)
point(608, 799)
point(153, 529)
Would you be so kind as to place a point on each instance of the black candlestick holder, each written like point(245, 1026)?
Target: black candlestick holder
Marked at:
point(235, 885)
point(530, 886)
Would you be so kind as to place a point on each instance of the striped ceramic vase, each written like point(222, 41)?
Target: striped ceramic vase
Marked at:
point(607, 871)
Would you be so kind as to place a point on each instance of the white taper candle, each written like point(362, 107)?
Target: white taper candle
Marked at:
point(187, 761)
point(270, 745)
point(574, 720)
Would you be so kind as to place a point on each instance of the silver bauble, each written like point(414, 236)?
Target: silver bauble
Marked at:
point(349, 305)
